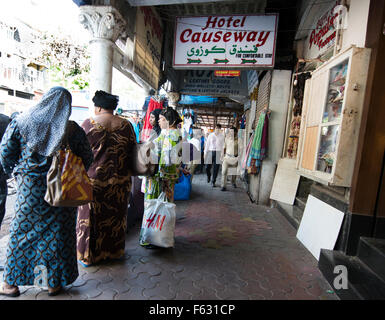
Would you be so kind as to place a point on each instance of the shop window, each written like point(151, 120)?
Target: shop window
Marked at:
point(332, 109)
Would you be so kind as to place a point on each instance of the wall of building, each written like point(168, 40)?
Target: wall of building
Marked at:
point(357, 21)
point(277, 102)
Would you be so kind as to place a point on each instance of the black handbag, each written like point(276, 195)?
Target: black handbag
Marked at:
point(140, 164)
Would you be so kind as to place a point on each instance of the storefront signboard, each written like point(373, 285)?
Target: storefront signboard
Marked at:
point(217, 42)
point(323, 33)
point(204, 82)
point(148, 45)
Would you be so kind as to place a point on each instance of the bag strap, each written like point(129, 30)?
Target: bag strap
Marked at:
point(163, 197)
point(68, 130)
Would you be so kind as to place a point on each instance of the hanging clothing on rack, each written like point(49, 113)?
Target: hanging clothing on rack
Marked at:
point(258, 150)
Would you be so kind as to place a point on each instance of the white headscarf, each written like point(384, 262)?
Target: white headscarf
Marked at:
point(43, 126)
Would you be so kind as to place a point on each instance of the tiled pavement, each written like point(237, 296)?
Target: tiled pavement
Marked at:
point(225, 248)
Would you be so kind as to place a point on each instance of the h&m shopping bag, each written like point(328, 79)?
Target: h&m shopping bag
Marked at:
point(158, 223)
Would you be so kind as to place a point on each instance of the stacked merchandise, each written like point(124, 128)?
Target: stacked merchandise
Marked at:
point(298, 95)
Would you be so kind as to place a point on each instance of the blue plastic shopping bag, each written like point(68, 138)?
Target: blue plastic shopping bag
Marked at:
point(183, 188)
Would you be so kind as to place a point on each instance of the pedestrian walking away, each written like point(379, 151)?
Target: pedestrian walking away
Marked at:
point(214, 153)
point(41, 237)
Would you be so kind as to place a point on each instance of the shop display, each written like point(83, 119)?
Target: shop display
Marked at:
point(332, 111)
point(336, 90)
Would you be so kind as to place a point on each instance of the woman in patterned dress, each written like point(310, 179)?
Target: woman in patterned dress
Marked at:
point(167, 150)
point(42, 242)
point(101, 224)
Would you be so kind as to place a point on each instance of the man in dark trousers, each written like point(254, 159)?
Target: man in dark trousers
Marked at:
point(4, 121)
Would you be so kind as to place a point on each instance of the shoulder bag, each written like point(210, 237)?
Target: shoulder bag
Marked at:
point(68, 184)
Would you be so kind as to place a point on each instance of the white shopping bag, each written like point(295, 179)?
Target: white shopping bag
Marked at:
point(158, 223)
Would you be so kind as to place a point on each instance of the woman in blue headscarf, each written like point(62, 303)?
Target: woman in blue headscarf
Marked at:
point(42, 243)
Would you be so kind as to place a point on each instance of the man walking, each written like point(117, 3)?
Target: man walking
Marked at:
point(214, 153)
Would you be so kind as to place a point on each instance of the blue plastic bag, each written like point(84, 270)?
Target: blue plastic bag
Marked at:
point(183, 188)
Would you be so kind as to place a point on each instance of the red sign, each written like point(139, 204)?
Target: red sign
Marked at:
point(227, 73)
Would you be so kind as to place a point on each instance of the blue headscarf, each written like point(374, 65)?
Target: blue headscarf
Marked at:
point(43, 126)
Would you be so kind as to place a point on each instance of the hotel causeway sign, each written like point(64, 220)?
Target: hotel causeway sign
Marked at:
point(231, 41)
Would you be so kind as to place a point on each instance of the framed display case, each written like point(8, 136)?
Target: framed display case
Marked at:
point(331, 118)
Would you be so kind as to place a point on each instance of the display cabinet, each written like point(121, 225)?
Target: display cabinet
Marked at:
point(331, 118)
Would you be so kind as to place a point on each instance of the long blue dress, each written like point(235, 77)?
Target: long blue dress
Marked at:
point(42, 244)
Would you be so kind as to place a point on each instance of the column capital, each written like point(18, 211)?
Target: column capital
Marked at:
point(103, 22)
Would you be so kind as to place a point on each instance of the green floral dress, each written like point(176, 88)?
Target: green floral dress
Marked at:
point(168, 153)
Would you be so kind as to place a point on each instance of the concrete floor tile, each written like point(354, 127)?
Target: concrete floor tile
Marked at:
point(117, 284)
point(43, 295)
point(188, 286)
point(161, 291)
point(149, 268)
point(107, 294)
point(134, 293)
point(89, 289)
point(143, 280)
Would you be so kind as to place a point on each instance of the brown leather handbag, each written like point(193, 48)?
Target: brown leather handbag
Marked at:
point(68, 184)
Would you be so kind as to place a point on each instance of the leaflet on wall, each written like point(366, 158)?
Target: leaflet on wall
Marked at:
point(215, 42)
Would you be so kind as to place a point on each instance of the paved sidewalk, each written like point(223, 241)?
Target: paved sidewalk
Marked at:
point(225, 248)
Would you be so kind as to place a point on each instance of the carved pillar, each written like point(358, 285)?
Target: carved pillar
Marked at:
point(105, 25)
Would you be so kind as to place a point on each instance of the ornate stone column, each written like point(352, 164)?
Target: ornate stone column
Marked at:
point(105, 25)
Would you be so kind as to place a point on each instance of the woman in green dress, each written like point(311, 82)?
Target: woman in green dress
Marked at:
point(167, 152)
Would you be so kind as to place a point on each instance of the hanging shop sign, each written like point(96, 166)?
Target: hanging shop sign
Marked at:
point(227, 73)
point(323, 33)
point(148, 45)
point(204, 82)
point(216, 42)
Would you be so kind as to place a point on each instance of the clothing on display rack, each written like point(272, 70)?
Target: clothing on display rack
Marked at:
point(258, 150)
point(243, 122)
point(294, 137)
point(155, 103)
point(298, 92)
point(189, 119)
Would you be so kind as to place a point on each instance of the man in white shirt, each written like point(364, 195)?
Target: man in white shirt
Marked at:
point(214, 153)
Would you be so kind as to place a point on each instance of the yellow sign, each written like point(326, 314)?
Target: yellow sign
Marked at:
point(227, 73)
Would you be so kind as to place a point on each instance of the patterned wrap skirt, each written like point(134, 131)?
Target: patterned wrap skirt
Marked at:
point(42, 243)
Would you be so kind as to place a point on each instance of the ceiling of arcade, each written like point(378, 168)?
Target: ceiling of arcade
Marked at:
point(225, 108)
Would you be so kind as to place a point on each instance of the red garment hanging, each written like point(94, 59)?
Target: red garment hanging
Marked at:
point(147, 127)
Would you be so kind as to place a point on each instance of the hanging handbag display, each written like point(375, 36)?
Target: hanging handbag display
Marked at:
point(68, 184)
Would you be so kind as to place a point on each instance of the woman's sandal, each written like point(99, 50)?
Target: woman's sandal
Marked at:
point(55, 291)
point(83, 264)
point(11, 293)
